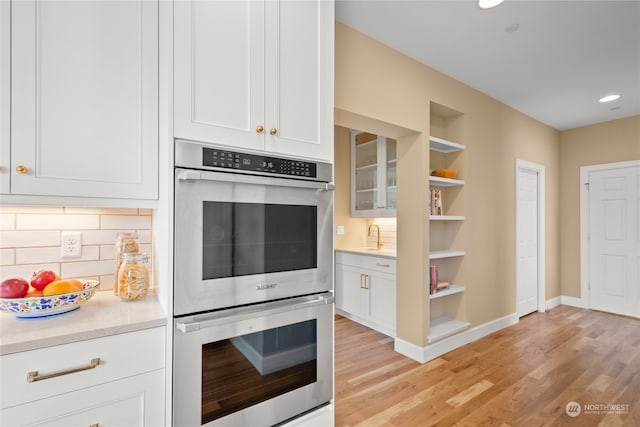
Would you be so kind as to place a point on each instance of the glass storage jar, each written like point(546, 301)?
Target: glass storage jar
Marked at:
point(126, 242)
point(133, 277)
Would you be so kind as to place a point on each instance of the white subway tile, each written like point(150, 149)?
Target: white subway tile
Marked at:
point(100, 237)
point(100, 211)
point(107, 252)
point(7, 221)
point(144, 236)
point(106, 282)
point(86, 268)
point(124, 222)
point(52, 254)
point(31, 209)
point(26, 270)
point(7, 256)
point(25, 239)
point(57, 222)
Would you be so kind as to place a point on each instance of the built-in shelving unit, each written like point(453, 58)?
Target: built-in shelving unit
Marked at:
point(452, 290)
point(447, 314)
point(444, 327)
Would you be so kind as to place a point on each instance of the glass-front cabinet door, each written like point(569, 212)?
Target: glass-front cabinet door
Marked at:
point(373, 175)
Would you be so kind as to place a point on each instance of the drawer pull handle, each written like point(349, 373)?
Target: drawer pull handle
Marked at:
point(34, 376)
point(382, 265)
point(94, 425)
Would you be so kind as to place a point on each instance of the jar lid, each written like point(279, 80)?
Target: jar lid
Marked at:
point(127, 235)
point(135, 256)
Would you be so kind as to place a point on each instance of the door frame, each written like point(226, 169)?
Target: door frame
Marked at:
point(585, 292)
point(539, 170)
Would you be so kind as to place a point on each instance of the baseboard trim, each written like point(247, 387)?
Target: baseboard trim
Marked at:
point(553, 303)
point(572, 301)
point(430, 352)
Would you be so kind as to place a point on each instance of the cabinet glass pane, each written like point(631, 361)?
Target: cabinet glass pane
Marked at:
point(366, 174)
point(391, 173)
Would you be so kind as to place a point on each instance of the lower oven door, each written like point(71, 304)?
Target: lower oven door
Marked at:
point(253, 366)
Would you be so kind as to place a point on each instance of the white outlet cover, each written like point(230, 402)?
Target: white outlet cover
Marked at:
point(340, 230)
point(71, 246)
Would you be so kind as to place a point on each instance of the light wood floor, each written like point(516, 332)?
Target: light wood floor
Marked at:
point(524, 375)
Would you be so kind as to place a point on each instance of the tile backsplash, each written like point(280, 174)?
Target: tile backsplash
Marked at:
point(30, 239)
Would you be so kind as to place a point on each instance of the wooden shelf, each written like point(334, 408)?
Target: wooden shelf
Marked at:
point(436, 181)
point(446, 217)
point(445, 254)
point(453, 289)
point(444, 327)
point(444, 146)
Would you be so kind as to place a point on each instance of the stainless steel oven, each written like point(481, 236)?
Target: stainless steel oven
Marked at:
point(249, 228)
point(253, 275)
point(257, 365)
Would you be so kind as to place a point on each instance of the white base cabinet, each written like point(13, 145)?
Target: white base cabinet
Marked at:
point(132, 402)
point(365, 289)
point(124, 388)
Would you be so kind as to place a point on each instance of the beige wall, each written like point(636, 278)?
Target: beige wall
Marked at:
point(609, 142)
point(377, 87)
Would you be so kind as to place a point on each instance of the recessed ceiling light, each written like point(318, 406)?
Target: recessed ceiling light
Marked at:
point(487, 4)
point(609, 98)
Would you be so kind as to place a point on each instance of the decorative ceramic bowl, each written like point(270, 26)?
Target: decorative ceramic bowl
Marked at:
point(49, 305)
point(445, 173)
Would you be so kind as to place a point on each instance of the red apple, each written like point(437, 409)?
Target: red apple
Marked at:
point(14, 288)
point(42, 278)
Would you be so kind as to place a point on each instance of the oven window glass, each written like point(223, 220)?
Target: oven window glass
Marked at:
point(240, 239)
point(243, 371)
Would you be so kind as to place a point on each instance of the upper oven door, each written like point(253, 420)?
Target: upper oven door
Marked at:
point(242, 239)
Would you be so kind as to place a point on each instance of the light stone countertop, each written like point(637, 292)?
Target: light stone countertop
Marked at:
point(103, 315)
point(382, 253)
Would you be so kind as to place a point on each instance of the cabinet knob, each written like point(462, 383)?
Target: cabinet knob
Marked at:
point(21, 169)
point(273, 131)
point(259, 128)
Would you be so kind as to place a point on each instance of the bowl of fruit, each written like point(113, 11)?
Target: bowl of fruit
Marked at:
point(45, 295)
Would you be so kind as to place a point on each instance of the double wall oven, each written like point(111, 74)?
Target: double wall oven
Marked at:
point(253, 311)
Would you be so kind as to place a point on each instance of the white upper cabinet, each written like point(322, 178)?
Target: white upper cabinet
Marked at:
point(255, 75)
point(84, 98)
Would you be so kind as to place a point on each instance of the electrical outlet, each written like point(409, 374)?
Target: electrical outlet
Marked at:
point(340, 230)
point(71, 244)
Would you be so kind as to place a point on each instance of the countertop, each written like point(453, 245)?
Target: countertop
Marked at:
point(382, 253)
point(103, 315)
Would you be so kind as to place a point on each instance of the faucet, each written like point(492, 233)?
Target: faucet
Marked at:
point(380, 245)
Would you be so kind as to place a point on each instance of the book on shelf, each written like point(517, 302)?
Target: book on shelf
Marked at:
point(435, 203)
point(433, 279)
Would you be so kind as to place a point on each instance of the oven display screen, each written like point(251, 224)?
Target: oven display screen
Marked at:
point(212, 157)
point(240, 239)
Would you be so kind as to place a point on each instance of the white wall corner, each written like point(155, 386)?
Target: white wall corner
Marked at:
point(554, 302)
point(572, 301)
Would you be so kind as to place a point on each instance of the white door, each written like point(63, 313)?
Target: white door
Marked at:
point(528, 242)
point(614, 242)
point(84, 98)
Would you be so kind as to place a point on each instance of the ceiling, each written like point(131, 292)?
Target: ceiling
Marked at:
point(551, 60)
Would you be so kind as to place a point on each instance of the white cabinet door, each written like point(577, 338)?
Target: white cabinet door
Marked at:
point(219, 72)
point(255, 75)
point(299, 78)
point(349, 291)
point(381, 303)
point(134, 401)
point(84, 101)
point(5, 98)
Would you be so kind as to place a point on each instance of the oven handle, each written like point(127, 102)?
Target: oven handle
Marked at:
point(210, 320)
point(194, 175)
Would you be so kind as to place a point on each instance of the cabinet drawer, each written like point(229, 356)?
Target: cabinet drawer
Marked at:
point(385, 265)
point(120, 356)
point(135, 401)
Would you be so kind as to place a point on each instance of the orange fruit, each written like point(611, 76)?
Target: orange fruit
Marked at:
point(62, 287)
point(33, 293)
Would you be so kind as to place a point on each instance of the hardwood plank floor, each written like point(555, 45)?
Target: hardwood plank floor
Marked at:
point(524, 375)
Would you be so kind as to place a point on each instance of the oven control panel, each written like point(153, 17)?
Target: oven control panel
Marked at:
point(212, 157)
